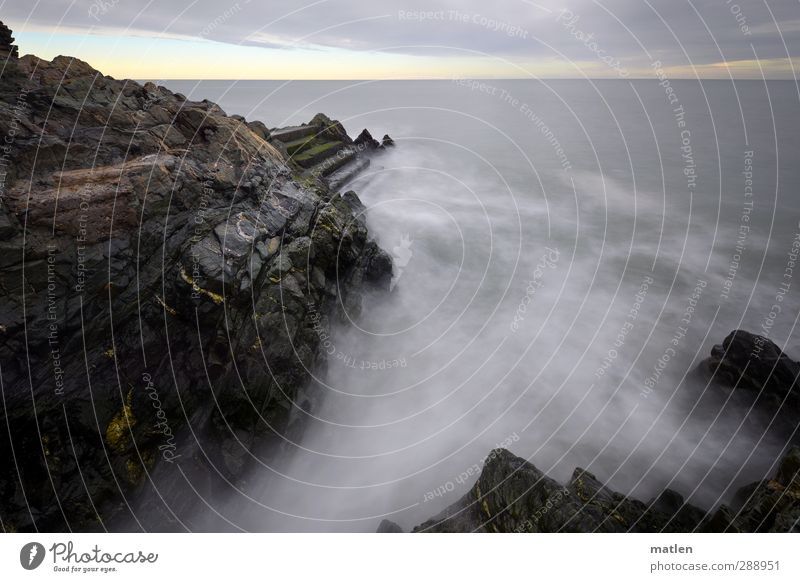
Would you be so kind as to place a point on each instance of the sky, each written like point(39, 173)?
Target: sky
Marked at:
point(399, 39)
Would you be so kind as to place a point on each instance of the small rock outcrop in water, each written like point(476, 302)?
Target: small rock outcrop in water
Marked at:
point(388, 526)
point(512, 495)
point(366, 140)
point(174, 270)
point(753, 363)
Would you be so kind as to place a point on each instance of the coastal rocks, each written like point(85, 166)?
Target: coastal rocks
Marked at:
point(322, 150)
point(366, 140)
point(388, 526)
point(512, 495)
point(162, 307)
point(767, 506)
point(753, 363)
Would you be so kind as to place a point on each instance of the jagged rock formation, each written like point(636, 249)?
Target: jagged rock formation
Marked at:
point(771, 505)
point(324, 150)
point(366, 140)
point(163, 267)
point(754, 374)
point(512, 495)
point(7, 46)
point(753, 363)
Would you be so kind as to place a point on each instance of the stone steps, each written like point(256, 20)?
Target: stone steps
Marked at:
point(332, 163)
point(296, 146)
point(318, 154)
point(347, 172)
point(322, 149)
point(292, 133)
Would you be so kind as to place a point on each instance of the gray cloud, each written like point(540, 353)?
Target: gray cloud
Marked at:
point(692, 31)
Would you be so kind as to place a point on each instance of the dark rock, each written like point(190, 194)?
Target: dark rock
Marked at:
point(328, 128)
point(387, 141)
point(512, 495)
point(762, 378)
point(365, 140)
point(7, 46)
point(388, 526)
point(685, 517)
point(746, 361)
point(767, 506)
point(9, 225)
point(258, 128)
point(187, 267)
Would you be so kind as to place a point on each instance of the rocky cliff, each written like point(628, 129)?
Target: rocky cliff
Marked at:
point(165, 270)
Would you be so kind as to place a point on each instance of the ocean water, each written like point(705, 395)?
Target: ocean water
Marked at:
point(567, 252)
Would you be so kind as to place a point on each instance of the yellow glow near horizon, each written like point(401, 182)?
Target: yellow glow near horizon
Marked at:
point(139, 56)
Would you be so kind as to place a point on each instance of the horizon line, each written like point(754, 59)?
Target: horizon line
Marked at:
point(759, 79)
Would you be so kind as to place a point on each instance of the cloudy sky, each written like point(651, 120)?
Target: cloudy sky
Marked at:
point(348, 39)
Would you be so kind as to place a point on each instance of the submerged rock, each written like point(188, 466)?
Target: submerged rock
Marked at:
point(163, 306)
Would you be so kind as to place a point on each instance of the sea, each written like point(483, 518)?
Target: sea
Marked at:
point(566, 253)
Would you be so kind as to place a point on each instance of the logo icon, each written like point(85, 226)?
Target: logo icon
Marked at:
point(31, 555)
point(401, 254)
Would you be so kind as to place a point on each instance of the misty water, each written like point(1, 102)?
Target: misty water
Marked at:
point(564, 257)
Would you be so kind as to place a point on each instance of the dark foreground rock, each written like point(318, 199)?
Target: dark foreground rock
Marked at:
point(512, 495)
point(164, 270)
point(766, 506)
point(750, 362)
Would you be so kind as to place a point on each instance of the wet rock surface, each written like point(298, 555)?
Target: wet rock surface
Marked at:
point(513, 496)
point(749, 362)
point(772, 505)
point(166, 274)
point(751, 372)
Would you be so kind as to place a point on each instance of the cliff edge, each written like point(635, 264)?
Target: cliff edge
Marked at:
point(164, 269)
